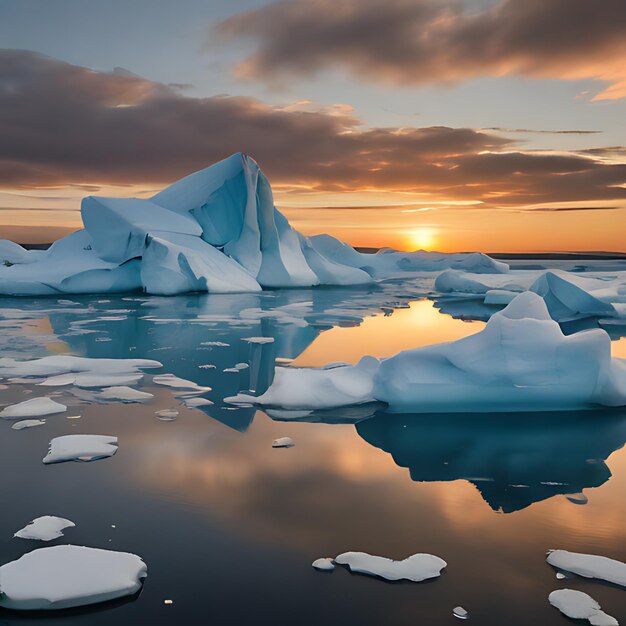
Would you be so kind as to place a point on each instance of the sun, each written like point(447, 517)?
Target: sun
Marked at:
point(422, 238)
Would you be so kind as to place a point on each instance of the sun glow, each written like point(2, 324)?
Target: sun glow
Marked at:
point(422, 238)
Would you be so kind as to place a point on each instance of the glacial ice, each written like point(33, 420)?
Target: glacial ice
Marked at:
point(35, 407)
point(415, 568)
point(61, 577)
point(44, 528)
point(589, 566)
point(216, 230)
point(80, 448)
point(23, 424)
point(520, 361)
point(579, 605)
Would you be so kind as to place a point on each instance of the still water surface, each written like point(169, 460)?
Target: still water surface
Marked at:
point(229, 526)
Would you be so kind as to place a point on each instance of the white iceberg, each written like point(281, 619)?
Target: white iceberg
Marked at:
point(44, 528)
point(579, 605)
point(309, 388)
point(124, 394)
point(62, 577)
point(34, 407)
point(80, 448)
point(415, 568)
point(215, 230)
point(589, 566)
point(324, 564)
point(23, 424)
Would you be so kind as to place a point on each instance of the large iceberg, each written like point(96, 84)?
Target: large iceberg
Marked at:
point(520, 361)
point(216, 230)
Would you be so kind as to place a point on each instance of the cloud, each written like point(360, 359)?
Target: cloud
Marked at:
point(433, 41)
point(61, 124)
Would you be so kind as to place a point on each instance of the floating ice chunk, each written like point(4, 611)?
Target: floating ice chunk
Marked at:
point(45, 528)
point(258, 339)
point(283, 442)
point(304, 388)
point(415, 568)
point(217, 344)
point(167, 415)
point(579, 605)
point(80, 448)
point(92, 380)
point(61, 577)
point(566, 301)
point(169, 380)
point(589, 566)
point(125, 394)
point(324, 564)
point(460, 613)
point(194, 403)
point(33, 408)
point(63, 364)
point(241, 366)
point(577, 498)
point(21, 425)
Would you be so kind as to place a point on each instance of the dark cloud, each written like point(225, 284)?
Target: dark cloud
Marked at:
point(61, 124)
point(420, 41)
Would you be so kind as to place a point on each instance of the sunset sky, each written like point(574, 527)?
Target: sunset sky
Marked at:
point(437, 124)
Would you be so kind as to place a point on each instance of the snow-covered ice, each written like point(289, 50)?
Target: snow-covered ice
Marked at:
point(35, 407)
point(415, 568)
point(22, 424)
point(589, 566)
point(579, 605)
point(80, 448)
point(44, 528)
point(61, 577)
point(283, 442)
point(324, 564)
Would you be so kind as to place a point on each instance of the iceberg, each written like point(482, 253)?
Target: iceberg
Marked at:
point(579, 605)
point(520, 361)
point(45, 528)
point(589, 566)
point(61, 577)
point(216, 230)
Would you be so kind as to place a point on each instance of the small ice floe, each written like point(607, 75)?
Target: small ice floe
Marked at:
point(45, 528)
point(460, 613)
point(34, 407)
point(231, 370)
point(258, 339)
point(415, 568)
point(579, 605)
point(92, 380)
point(61, 577)
point(194, 403)
point(124, 394)
point(217, 344)
point(22, 424)
point(208, 366)
point(589, 566)
point(241, 366)
point(283, 442)
point(167, 415)
point(324, 565)
point(577, 498)
point(169, 380)
point(80, 448)
point(560, 576)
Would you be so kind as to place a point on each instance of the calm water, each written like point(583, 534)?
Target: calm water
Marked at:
point(229, 526)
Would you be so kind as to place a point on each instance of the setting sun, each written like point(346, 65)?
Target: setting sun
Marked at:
point(422, 238)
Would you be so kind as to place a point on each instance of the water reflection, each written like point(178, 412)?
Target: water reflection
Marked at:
point(513, 460)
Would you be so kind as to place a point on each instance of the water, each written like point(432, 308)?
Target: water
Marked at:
point(229, 526)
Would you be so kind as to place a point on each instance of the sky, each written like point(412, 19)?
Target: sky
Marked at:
point(452, 125)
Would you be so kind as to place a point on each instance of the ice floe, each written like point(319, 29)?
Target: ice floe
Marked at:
point(283, 442)
point(22, 424)
point(415, 568)
point(34, 407)
point(169, 380)
point(124, 394)
point(578, 605)
point(61, 577)
point(460, 613)
point(44, 528)
point(589, 566)
point(80, 448)
point(194, 403)
point(324, 564)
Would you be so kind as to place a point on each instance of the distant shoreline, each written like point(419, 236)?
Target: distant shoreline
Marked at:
point(514, 256)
